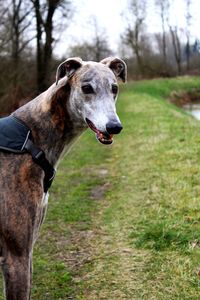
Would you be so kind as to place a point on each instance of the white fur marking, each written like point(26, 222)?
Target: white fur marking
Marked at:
point(45, 199)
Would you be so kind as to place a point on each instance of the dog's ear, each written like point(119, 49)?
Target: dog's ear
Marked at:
point(117, 65)
point(68, 67)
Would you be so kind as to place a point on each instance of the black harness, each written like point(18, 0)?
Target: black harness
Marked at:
point(15, 137)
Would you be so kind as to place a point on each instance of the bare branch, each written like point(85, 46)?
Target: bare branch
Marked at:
point(24, 45)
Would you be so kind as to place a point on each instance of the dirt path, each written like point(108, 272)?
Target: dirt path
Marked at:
point(105, 264)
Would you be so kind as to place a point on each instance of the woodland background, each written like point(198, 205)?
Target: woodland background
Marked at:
point(31, 29)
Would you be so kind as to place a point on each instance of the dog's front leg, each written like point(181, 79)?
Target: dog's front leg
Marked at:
point(17, 276)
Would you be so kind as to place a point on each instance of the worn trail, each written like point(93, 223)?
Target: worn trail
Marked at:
point(143, 238)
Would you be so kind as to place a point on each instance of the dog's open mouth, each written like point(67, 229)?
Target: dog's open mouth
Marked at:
point(102, 137)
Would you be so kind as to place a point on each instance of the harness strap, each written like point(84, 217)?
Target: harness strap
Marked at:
point(39, 158)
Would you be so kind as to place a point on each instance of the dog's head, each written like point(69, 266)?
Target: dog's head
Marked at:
point(93, 94)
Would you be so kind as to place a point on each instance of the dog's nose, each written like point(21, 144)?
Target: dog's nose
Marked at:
point(113, 127)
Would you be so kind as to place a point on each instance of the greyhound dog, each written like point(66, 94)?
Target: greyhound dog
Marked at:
point(84, 95)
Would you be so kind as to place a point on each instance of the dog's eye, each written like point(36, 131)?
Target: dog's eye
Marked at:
point(87, 89)
point(114, 89)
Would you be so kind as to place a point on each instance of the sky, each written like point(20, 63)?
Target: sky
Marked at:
point(108, 14)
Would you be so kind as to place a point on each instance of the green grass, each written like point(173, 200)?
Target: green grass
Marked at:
point(124, 221)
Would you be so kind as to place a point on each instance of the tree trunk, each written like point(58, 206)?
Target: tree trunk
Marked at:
point(177, 48)
point(44, 51)
point(188, 53)
point(15, 41)
point(188, 19)
point(48, 43)
point(164, 41)
point(40, 75)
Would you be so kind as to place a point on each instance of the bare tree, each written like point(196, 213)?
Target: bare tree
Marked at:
point(99, 44)
point(134, 31)
point(188, 24)
point(19, 20)
point(177, 47)
point(96, 48)
point(4, 34)
point(163, 10)
point(15, 22)
point(90, 51)
point(44, 14)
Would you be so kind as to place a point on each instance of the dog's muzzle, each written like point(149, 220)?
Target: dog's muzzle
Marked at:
point(106, 137)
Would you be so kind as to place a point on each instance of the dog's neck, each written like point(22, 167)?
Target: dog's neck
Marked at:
point(52, 126)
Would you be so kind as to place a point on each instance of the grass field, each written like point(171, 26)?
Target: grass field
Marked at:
point(124, 221)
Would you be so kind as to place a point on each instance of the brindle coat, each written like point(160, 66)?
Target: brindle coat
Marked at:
point(56, 118)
